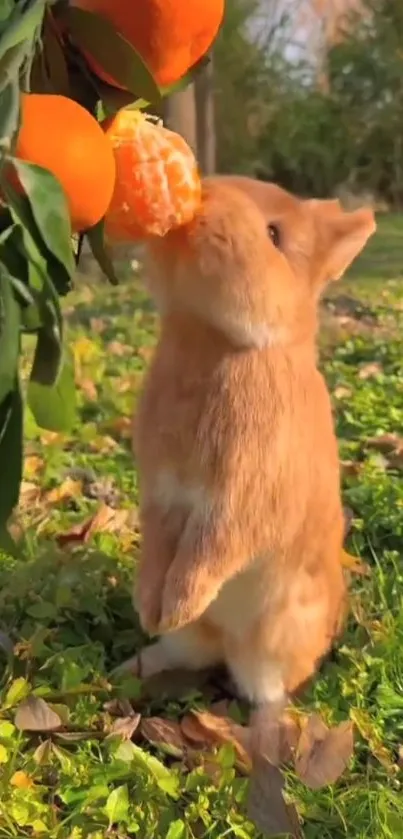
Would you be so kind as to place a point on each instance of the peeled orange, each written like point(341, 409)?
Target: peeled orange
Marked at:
point(157, 185)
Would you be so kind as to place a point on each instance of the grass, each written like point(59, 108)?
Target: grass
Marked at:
point(67, 605)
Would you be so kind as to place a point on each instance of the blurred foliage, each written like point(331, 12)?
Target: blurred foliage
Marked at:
point(277, 121)
point(42, 48)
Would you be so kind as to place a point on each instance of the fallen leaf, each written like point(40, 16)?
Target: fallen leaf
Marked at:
point(67, 490)
point(164, 733)
point(351, 468)
point(89, 389)
point(106, 519)
point(267, 808)
point(119, 349)
point(275, 734)
point(97, 325)
point(342, 392)
point(29, 493)
point(220, 708)
point(385, 443)
point(119, 708)
point(121, 427)
point(125, 726)
point(49, 437)
point(206, 730)
point(21, 780)
point(32, 465)
point(355, 565)
point(103, 444)
point(323, 754)
point(368, 371)
point(34, 714)
point(43, 752)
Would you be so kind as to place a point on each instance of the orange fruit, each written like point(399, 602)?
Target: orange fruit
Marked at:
point(60, 135)
point(157, 184)
point(170, 35)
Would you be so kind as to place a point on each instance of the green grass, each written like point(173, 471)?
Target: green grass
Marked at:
point(69, 609)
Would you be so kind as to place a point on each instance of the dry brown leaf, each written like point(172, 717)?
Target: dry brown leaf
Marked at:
point(67, 490)
point(29, 493)
point(102, 444)
point(119, 708)
point(267, 808)
point(355, 565)
point(32, 465)
point(165, 733)
point(117, 348)
point(89, 389)
point(34, 714)
point(121, 427)
point(368, 371)
point(342, 392)
point(385, 443)
point(323, 754)
point(106, 519)
point(97, 325)
point(275, 734)
point(126, 726)
point(49, 437)
point(220, 708)
point(206, 730)
point(351, 468)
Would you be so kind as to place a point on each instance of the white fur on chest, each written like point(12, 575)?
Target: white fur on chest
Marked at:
point(172, 493)
point(240, 602)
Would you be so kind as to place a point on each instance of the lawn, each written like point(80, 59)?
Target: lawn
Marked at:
point(78, 759)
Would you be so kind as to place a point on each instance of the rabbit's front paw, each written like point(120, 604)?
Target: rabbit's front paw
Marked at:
point(147, 601)
point(185, 598)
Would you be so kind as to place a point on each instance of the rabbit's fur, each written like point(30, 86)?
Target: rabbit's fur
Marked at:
point(242, 523)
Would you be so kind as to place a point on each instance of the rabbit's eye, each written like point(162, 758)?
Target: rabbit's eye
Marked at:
point(274, 234)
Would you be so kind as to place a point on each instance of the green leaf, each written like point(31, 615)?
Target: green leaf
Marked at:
point(9, 113)
point(10, 318)
point(47, 359)
point(55, 60)
point(99, 251)
point(117, 805)
point(49, 209)
point(3, 754)
point(165, 778)
point(41, 261)
point(22, 26)
point(54, 407)
point(96, 35)
point(17, 691)
point(177, 830)
point(11, 452)
point(49, 350)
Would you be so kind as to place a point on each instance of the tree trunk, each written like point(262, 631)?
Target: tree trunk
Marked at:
point(205, 117)
point(179, 114)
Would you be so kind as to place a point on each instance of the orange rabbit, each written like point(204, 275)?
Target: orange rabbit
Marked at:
point(242, 523)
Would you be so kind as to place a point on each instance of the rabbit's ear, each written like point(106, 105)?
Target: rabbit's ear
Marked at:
point(325, 206)
point(342, 236)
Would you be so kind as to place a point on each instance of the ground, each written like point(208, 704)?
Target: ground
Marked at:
point(67, 602)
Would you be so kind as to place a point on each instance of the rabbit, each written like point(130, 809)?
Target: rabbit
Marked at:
point(240, 506)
